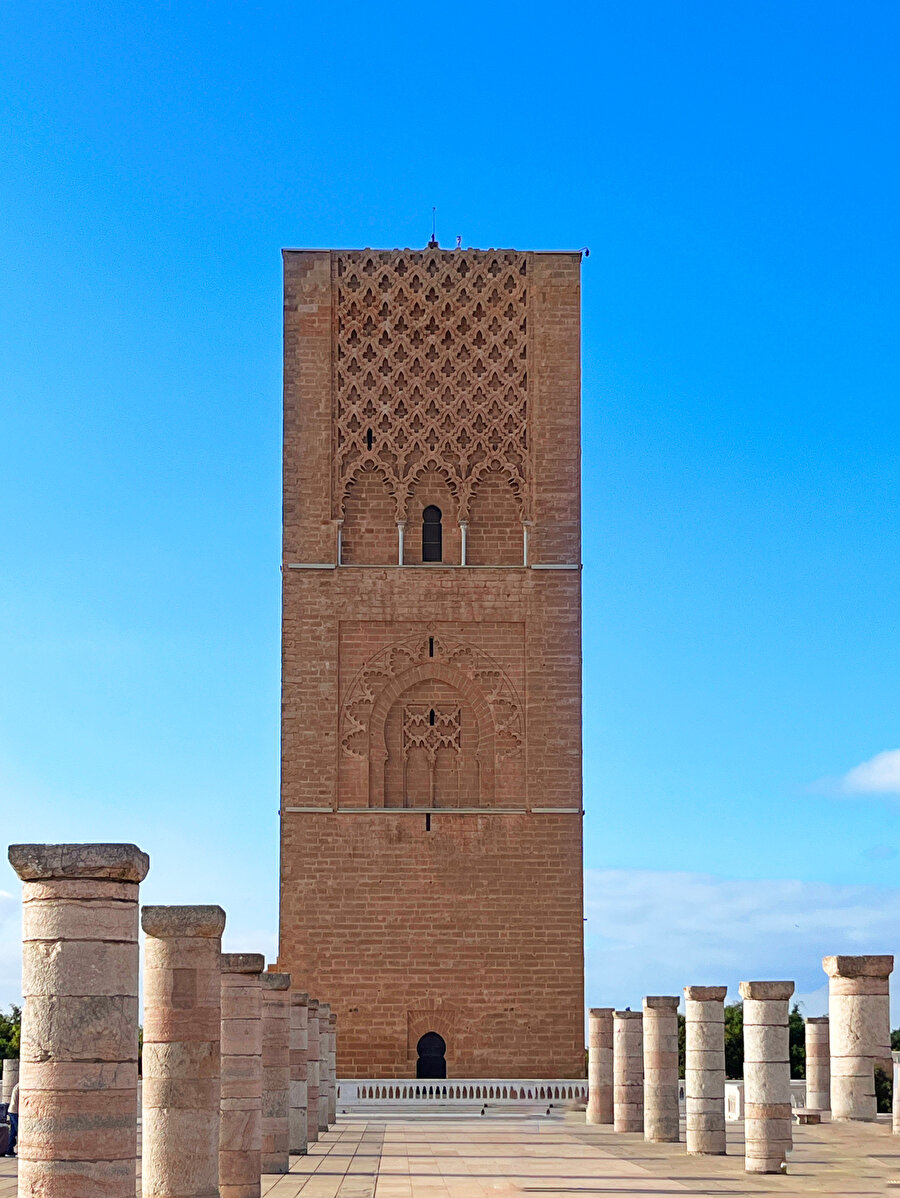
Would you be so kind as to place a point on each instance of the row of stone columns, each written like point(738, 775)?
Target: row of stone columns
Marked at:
point(633, 1071)
point(226, 1044)
point(633, 1061)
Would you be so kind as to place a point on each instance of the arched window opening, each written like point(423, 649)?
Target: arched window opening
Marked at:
point(432, 534)
point(431, 717)
point(432, 1060)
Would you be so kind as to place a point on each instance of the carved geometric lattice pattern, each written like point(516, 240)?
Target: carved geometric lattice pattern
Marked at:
point(431, 727)
point(397, 659)
point(431, 369)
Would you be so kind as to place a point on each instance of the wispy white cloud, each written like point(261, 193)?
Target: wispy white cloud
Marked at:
point(653, 932)
point(879, 775)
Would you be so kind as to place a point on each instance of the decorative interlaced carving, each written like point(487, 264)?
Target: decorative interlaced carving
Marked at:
point(432, 369)
point(403, 656)
point(431, 726)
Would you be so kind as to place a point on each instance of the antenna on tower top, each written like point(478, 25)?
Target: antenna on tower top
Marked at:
point(433, 245)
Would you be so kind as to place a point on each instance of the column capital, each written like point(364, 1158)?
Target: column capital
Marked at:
point(243, 963)
point(705, 993)
point(276, 981)
point(858, 967)
point(661, 1002)
point(767, 991)
point(170, 922)
point(600, 1012)
point(100, 862)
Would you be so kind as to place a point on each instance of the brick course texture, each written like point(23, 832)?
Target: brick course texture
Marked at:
point(431, 713)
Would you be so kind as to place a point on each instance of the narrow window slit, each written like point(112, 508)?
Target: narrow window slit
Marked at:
point(431, 646)
point(369, 438)
point(428, 822)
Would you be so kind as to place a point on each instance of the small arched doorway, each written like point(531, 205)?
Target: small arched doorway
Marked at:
point(432, 1060)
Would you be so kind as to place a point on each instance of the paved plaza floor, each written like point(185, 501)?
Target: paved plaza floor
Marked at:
point(501, 1156)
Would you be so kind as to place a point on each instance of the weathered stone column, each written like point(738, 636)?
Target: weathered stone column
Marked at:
point(895, 1093)
point(297, 1118)
point(324, 1016)
point(79, 1098)
point(628, 1071)
point(704, 1074)
point(818, 1064)
point(859, 1016)
point(276, 1017)
point(600, 1065)
point(312, 1070)
point(767, 1076)
point(181, 1086)
point(10, 1078)
point(240, 1129)
point(660, 1027)
point(332, 1069)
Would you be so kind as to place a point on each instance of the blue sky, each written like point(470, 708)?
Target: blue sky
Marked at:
point(733, 170)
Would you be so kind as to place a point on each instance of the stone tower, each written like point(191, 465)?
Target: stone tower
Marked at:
point(431, 884)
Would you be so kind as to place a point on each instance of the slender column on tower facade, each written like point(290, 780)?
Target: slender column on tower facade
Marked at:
point(704, 1074)
point(79, 1077)
point(818, 1064)
point(240, 1129)
point(181, 1079)
point(332, 1068)
point(628, 1071)
point(312, 1071)
point(859, 1015)
point(324, 1016)
point(10, 1078)
point(600, 1065)
point(297, 1118)
point(660, 1027)
point(767, 1076)
point(276, 1059)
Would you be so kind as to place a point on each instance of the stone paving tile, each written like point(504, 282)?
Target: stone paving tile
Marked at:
point(555, 1157)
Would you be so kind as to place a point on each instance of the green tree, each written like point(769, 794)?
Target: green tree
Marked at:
point(797, 1042)
point(734, 1040)
point(10, 1031)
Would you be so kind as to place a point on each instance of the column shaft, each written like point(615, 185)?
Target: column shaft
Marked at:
point(324, 1015)
point(10, 1078)
point(332, 1069)
point(181, 1081)
point(276, 1017)
point(297, 1118)
point(660, 1027)
point(628, 1071)
point(704, 1075)
point(78, 1085)
point(240, 1129)
point(895, 1094)
point(312, 1071)
point(859, 1023)
point(818, 1064)
point(600, 1065)
point(767, 1076)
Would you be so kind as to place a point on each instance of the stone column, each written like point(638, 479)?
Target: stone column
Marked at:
point(704, 1074)
point(660, 1026)
point(324, 1016)
point(628, 1071)
point(240, 1129)
point(600, 1065)
point(297, 1118)
point(895, 1093)
point(276, 1017)
point(312, 1071)
point(859, 1015)
point(767, 1076)
point(79, 1098)
point(181, 1087)
point(818, 1065)
point(10, 1078)
point(332, 1069)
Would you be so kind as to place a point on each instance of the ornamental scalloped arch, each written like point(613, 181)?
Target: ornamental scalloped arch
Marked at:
point(485, 751)
point(476, 667)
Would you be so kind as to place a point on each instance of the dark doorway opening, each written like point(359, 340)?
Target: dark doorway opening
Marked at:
point(432, 1060)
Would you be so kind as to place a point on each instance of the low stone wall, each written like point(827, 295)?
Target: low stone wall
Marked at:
point(372, 1092)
